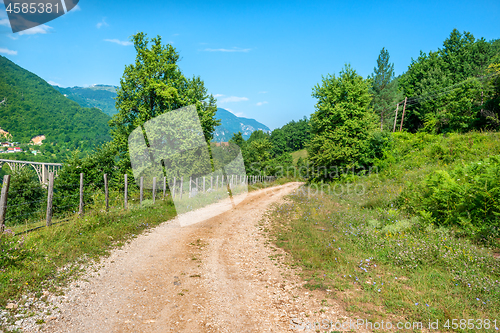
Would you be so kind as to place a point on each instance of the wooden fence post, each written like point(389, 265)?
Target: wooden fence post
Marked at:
point(173, 189)
point(80, 210)
point(203, 184)
point(180, 193)
point(164, 186)
point(125, 194)
point(50, 194)
point(3, 201)
point(106, 191)
point(190, 180)
point(154, 189)
point(211, 183)
point(141, 184)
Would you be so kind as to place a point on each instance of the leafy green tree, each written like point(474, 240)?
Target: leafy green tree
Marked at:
point(152, 86)
point(342, 124)
point(449, 86)
point(257, 135)
point(93, 166)
point(279, 141)
point(238, 139)
point(385, 89)
point(280, 166)
point(257, 154)
point(490, 110)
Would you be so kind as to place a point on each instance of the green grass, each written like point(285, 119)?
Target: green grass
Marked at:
point(382, 261)
point(35, 257)
point(299, 153)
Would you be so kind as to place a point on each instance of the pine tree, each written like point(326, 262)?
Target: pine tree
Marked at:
point(385, 88)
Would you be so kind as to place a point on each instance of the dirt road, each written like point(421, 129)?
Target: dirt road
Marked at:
point(214, 276)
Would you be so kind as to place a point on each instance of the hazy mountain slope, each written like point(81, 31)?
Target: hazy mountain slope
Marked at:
point(232, 124)
point(96, 96)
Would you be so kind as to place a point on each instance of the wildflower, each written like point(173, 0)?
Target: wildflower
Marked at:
point(416, 303)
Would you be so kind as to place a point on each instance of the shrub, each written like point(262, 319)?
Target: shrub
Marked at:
point(467, 198)
point(26, 196)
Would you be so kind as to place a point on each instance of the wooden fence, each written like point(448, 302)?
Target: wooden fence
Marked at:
point(177, 188)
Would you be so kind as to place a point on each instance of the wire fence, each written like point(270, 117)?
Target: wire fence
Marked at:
point(30, 208)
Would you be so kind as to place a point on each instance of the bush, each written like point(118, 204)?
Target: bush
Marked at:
point(466, 198)
point(26, 197)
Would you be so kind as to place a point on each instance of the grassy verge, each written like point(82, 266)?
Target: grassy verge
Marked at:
point(389, 270)
point(384, 262)
point(34, 260)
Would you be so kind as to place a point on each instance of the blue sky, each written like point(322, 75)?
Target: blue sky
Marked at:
point(260, 58)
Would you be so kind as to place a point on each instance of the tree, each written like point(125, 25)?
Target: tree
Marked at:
point(238, 139)
point(152, 86)
point(450, 87)
point(342, 124)
point(257, 154)
point(385, 88)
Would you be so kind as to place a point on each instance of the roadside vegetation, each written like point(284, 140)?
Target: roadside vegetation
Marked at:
point(400, 244)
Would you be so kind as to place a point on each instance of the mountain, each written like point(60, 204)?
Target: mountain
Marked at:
point(96, 96)
point(33, 107)
point(102, 97)
point(231, 124)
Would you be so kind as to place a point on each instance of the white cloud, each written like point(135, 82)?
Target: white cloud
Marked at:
point(52, 83)
point(103, 23)
point(218, 95)
point(261, 103)
point(231, 99)
point(120, 42)
point(7, 51)
point(40, 29)
point(5, 22)
point(234, 49)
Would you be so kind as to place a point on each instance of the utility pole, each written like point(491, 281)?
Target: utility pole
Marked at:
point(403, 117)
point(396, 118)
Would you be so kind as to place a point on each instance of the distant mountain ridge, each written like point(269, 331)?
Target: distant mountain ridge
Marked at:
point(103, 97)
point(99, 96)
point(231, 124)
